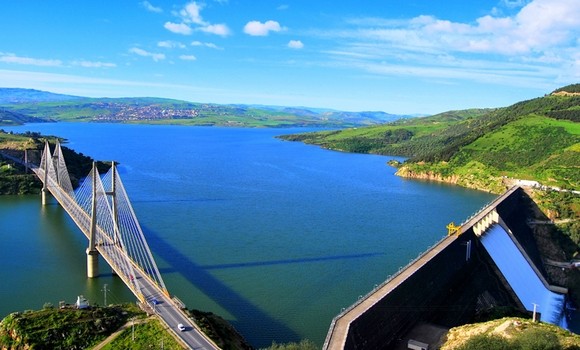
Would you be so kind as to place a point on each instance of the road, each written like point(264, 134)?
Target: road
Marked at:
point(137, 281)
point(172, 315)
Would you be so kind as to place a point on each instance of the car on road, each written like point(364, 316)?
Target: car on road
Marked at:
point(181, 327)
point(155, 301)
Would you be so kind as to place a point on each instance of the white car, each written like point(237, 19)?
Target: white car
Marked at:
point(181, 327)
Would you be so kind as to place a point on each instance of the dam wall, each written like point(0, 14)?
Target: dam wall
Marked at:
point(450, 284)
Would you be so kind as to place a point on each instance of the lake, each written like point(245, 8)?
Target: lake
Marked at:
point(276, 237)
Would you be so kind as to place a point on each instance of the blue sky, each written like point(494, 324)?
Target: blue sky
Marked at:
point(414, 56)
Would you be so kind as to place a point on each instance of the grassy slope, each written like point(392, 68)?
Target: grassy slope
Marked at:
point(53, 328)
point(144, 335)
point(396, 138)
point(510, 333)
point(534, 148)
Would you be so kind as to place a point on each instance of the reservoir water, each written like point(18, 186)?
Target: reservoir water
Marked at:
point(276, 237)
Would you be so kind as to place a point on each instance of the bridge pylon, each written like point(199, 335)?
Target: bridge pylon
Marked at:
point(44, 165)
point(92, 252)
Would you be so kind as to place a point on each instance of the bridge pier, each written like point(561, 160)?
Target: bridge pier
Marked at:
point(44, 196)
point(92, 263)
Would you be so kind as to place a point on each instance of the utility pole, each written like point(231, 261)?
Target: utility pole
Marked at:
point(105, 290)
point(534, 315)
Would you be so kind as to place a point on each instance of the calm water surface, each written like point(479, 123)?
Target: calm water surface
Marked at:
point(276, 237)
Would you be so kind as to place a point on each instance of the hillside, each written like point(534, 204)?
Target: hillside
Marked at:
point(13, 118)
point(63, 328)
point(536, 140)
point(399, 138)
point(13, 179)
point(152, 110)
point(510, 333)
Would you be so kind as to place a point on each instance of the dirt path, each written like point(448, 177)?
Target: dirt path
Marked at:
point(119, 331)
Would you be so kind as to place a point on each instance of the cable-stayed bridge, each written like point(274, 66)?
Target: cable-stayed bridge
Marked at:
point(101, 209)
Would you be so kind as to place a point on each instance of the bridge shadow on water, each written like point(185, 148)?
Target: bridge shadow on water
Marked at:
point(290, 261)
point(249, 317)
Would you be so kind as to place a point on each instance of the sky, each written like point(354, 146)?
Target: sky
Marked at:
point(402, 57)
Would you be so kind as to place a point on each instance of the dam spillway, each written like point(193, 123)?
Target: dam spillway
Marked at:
point(451, 284)
point(528, 286)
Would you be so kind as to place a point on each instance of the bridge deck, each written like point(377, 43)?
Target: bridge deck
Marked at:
point(137, 280)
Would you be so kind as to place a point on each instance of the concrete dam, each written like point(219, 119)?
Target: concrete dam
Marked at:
point(490, 263)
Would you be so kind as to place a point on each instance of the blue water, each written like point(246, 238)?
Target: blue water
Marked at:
point(277, 237)
point(522, 278)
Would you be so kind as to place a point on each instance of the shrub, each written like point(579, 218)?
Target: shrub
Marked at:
point(537, 339)
point(486, 342)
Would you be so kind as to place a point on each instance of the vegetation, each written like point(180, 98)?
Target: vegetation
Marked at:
point(405, 137)
point(574, 88)
point(510, 333)
point(71, 328)
point(143, 335)
point(14, 180)
point(63, 328)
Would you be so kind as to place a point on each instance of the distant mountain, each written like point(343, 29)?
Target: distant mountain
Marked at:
point(15, 95)
point(327, 113)
point(152, 110)
point(371, 117)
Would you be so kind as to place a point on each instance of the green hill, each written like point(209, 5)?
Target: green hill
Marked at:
point(536, 140)
point(168, 111)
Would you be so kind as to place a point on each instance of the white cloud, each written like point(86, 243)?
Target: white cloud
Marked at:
point(191, 13)
point(539, 41)
point(295, 44)
point(257, 28)
point(191, 19)
point(147, 5)
point(94, 64)
point(168, 44)
point(188, 57)
point(516, 35)
point(12, 58)
point(178, 28)
point(218, 29)
point(514, 3)
point(140, 52)
point(210, 45)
